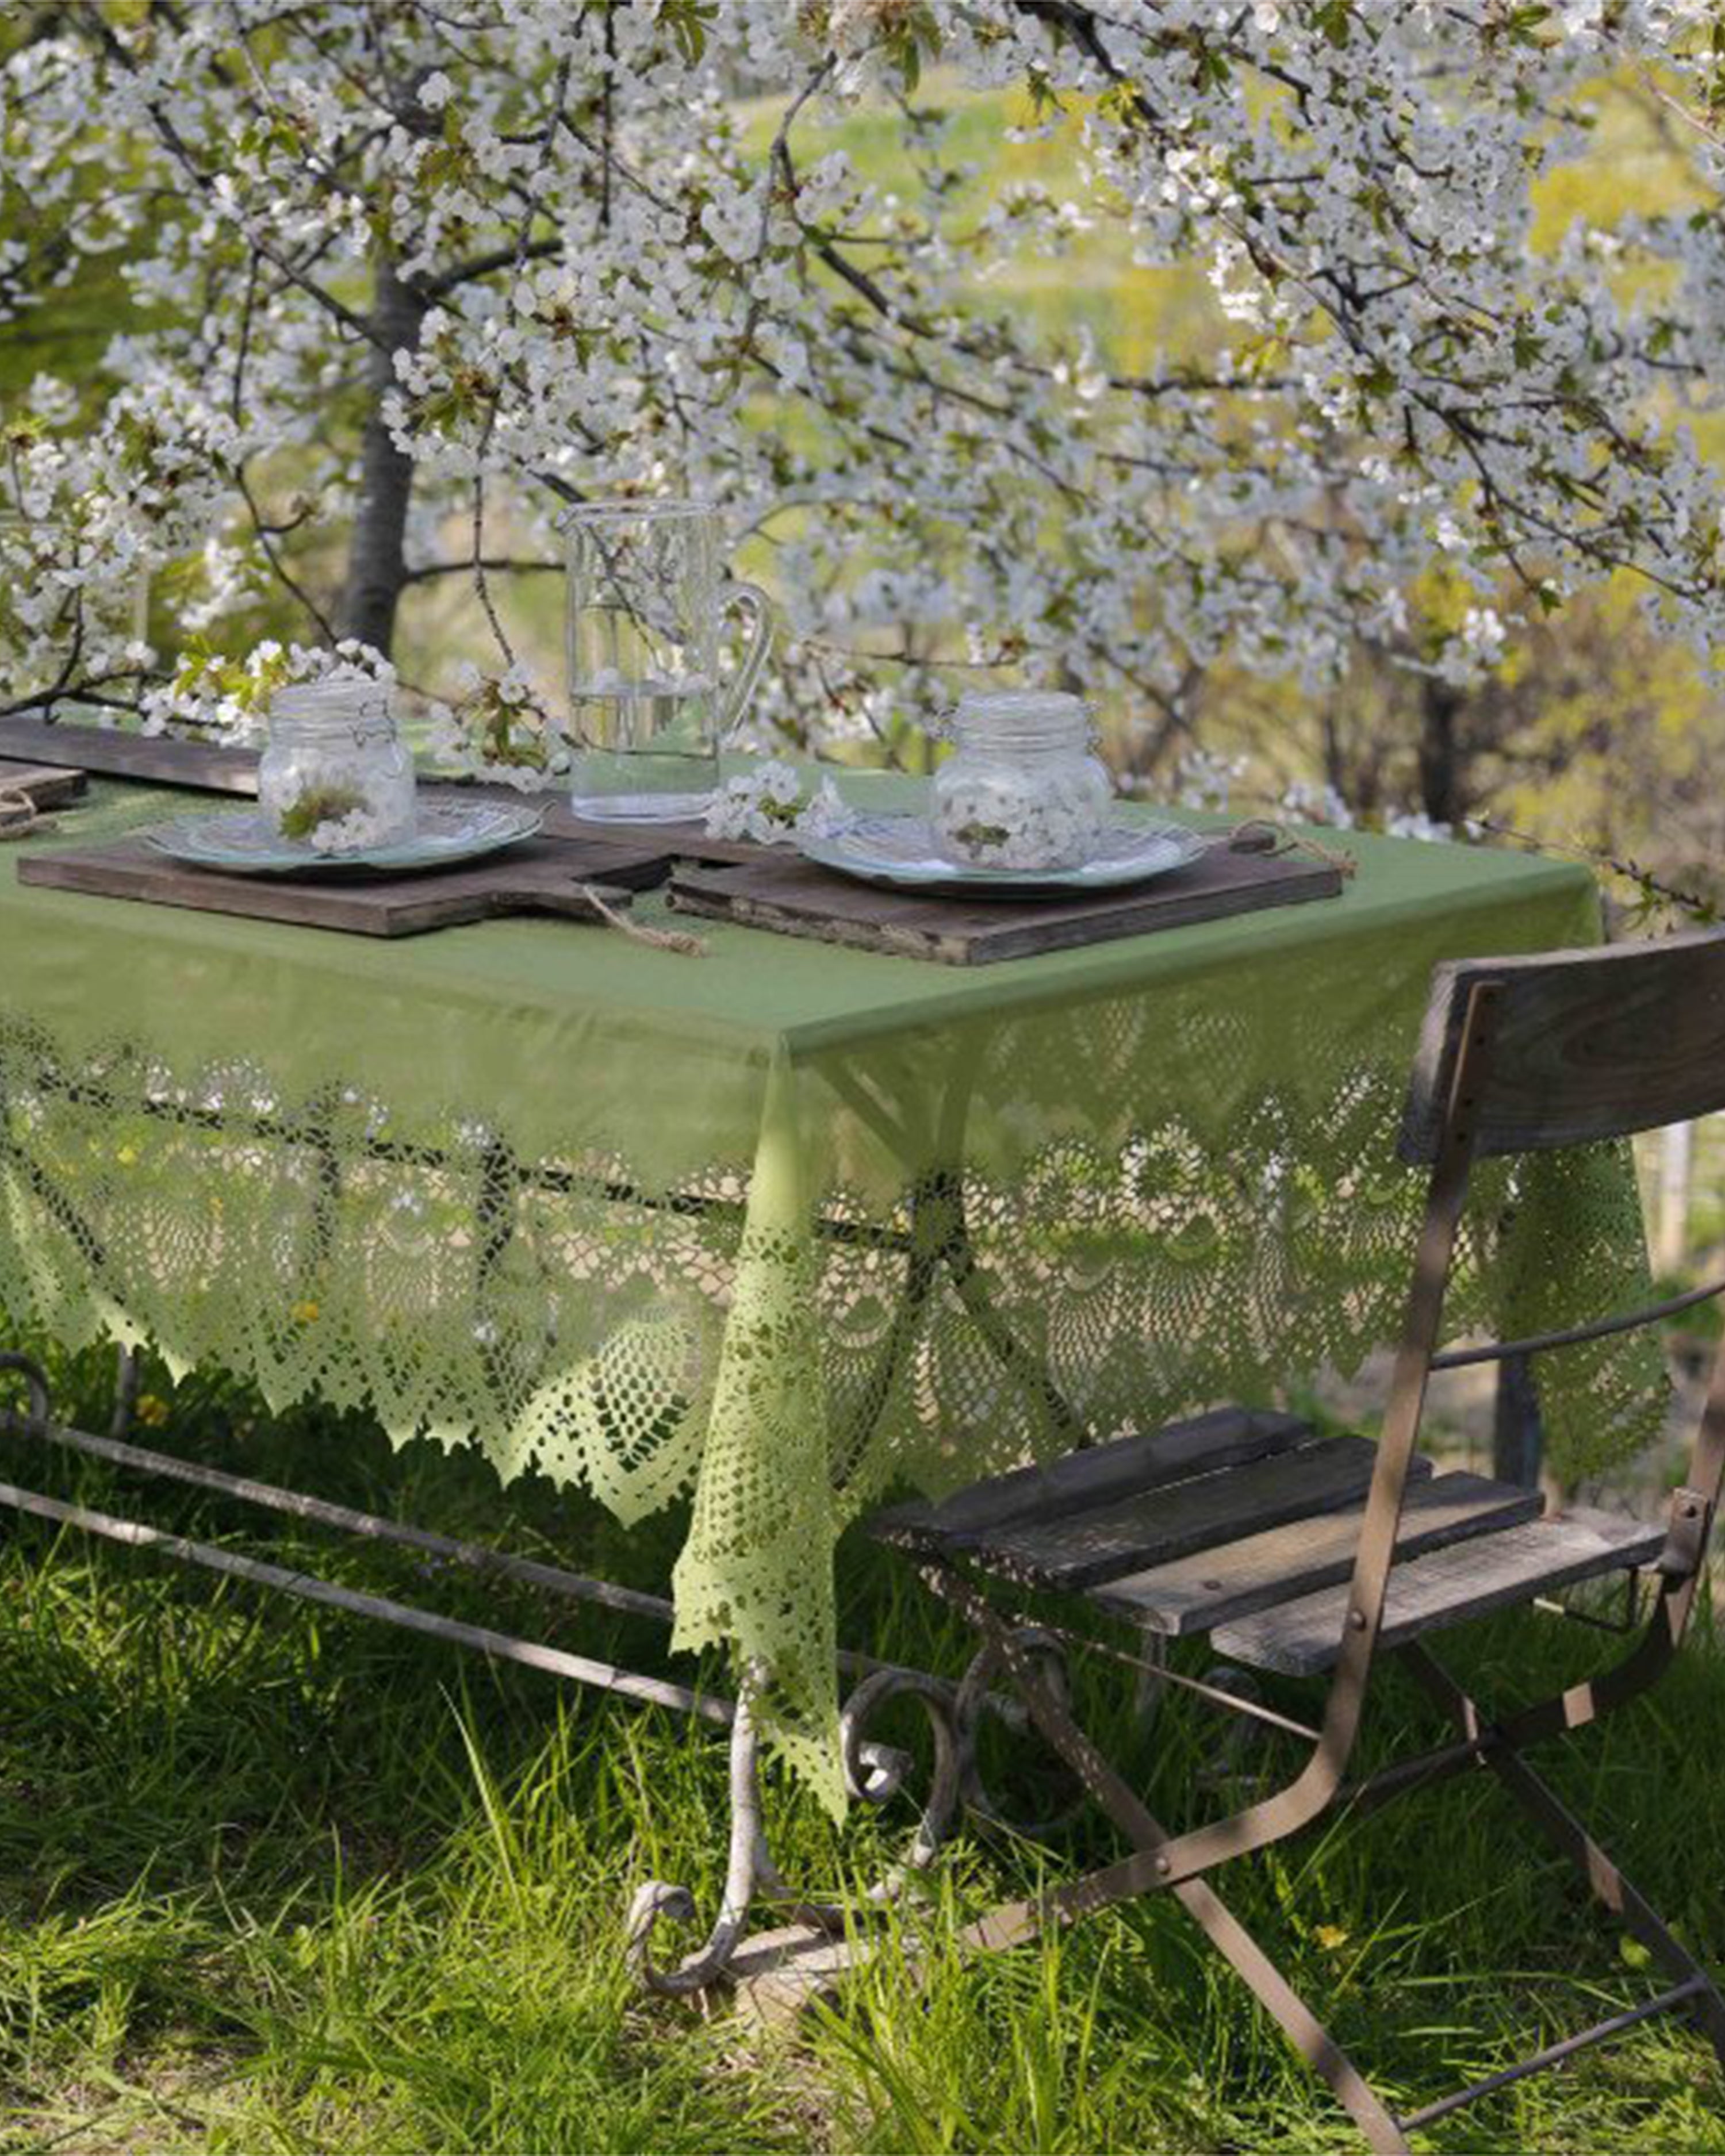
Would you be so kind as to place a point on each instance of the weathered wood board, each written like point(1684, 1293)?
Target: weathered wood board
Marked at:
point(1156, 1526)
point(203, 767)
point(1453, 1586)
point(682, 842)
point(1212, 1587)
point(545, 875)
point(1081, 1481)
point(793, 897)
point(47, 785)
point(1586, 1045)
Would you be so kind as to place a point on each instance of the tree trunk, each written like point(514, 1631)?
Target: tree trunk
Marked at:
point(1441, 758)
point(377, 563)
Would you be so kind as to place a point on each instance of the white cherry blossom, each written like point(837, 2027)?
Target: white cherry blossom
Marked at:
point(410, 280)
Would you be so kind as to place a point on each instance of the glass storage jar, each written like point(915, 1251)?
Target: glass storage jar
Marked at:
point(1023, 788)
point(336, 777)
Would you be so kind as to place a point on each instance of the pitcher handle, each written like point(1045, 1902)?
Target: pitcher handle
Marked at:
point(754, 603)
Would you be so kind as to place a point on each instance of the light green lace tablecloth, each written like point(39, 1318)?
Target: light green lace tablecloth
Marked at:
point(784, 1224)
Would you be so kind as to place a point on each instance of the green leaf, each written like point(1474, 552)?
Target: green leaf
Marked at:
point(687, 20)
point(318, 805)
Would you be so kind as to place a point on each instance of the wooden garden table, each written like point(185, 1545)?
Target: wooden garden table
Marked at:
point(775, 1228)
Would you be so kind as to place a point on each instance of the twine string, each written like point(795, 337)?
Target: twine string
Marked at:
point(641, 932)
point(1258, 836)
point(19, 816)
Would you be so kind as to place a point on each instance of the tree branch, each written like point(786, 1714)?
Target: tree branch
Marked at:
point(487, 265)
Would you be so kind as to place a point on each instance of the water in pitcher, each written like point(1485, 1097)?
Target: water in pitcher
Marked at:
point(647, 711)
point(649, 749)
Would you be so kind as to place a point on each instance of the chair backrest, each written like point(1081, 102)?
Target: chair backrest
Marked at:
point(1586, 1044)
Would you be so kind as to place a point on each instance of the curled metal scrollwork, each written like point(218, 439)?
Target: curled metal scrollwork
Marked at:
point(1231, 1756)
point(750, 1873)
point(35, 1379)
point(978, 1696)
point(874, 1773)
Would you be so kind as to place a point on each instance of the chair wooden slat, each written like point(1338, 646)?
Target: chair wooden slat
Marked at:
point(1452, 1587)
point(1212, 1587)
point(1227, 1437)
point(1587, 1045)
point(1157, 1525)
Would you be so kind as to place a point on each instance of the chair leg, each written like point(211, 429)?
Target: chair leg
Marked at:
point(1297, 2022)
point(1014, 1923)
point(1566, 1833)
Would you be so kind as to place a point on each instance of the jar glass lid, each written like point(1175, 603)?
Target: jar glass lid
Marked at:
point(1027, 715)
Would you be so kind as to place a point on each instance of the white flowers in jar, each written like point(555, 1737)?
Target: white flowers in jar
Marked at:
point(1023, 788)
point(336, 776)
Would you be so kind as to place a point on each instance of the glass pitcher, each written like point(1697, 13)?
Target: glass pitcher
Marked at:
point(647, 713)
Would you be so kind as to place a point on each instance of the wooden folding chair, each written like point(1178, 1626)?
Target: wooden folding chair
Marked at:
point(1298, 1555)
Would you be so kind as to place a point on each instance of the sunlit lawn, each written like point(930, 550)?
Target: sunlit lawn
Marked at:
point(273, 1879)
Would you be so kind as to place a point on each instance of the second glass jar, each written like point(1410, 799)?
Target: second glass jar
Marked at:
point(336, 777)
point(1024, 789)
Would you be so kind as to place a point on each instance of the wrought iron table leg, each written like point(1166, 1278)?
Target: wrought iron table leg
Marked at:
point(1228, 1762)
point(35, 1382)
point(127, 1373)
point(655, 1898)
point(874, 1773)
point(979, 1695)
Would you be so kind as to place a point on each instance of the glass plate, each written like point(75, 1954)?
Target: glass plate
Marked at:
point(242, 842)
point(901, 852)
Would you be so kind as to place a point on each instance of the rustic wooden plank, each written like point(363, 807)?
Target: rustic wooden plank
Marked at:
point(1226, 1437)
point(201, 767)
point(1109, 1541)
point(544, 875)
point(48, 786)
point(1453, 1586)
point(1213, 1587)
point(682, 842)
point(1589, 1044)
point(671, 843)
point(794, 897)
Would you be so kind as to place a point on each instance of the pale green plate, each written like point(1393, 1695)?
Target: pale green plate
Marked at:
point(902, 851)
point(243, 842)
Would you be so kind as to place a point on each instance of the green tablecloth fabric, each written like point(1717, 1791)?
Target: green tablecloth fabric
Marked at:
point(783, 1225)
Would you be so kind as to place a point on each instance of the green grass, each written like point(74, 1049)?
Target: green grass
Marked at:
point(272, 1879)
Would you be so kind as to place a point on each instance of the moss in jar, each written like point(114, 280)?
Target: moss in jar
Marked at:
point(975, 837)
point(319, 805)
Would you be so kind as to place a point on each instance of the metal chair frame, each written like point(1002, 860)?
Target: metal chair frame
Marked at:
point(1464, 1062)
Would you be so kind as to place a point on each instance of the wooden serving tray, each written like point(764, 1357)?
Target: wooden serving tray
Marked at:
point(542, 876)
point(47, 785)
point(786, 893)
